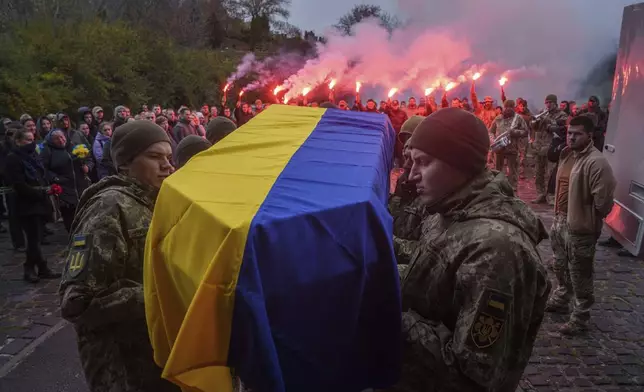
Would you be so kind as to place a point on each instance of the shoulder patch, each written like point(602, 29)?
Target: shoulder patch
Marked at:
point(78, 256)
point(487, 326)
point(76, 262)
point(79, 241)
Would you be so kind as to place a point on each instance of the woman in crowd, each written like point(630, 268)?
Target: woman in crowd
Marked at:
point(197, 123)
point(84, 130)
point(43, 126)
point(67, 170)
point(104, 134)
point(25, 173)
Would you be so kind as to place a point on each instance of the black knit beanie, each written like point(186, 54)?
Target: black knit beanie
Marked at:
point(218, 128)
point(456, 137)
point(132, 138)
point(188, 147)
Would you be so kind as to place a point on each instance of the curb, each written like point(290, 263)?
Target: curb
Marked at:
point(30, 348)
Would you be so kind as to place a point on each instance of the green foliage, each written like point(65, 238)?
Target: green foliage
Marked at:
point(48, 66)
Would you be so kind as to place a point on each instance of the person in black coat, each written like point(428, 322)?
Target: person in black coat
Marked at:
point(6, 146)
point(66, 170)
point(106, 163)
point(26, 175)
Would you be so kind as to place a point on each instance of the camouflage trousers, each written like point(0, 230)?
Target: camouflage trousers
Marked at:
point(513, 167)
point(543, 168)
point(574, 268)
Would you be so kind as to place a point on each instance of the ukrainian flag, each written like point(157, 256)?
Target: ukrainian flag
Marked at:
point(271, 254)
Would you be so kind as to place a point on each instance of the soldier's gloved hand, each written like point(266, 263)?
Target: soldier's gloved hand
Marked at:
point(396, 245)
point(402, 271)
point(410, 318)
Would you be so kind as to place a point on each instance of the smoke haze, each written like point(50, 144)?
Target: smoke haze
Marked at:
point(564, 38)
point(542, 47)
point(243, 68)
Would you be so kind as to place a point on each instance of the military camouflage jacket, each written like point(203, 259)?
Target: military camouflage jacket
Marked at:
point(101, 289)
point(543, 132)
point(474, 294)
point(515, 127)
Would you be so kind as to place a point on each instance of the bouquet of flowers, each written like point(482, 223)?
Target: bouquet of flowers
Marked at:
point(80, 151)
point(55, 190)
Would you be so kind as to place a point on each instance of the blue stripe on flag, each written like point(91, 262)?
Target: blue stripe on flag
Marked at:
point(317, 304)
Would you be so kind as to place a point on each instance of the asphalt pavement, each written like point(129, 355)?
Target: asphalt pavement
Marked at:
point(54, 366)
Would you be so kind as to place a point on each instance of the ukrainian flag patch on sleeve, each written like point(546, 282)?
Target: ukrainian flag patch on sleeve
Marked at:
point(80, 240)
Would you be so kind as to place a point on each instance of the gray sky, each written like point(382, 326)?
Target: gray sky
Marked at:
point(320, 14)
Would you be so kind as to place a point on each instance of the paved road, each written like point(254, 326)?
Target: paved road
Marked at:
point(53, 367)
point(27, 311)
point(609, 358)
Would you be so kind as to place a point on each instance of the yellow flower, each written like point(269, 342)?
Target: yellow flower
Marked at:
point(80, 151)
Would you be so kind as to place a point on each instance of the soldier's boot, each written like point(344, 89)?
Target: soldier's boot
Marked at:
point(558, 307)
point(574, 328)
point(30, 275)
point(46, 273)
point(610, 243)
point(541, 199)
point(624, 253)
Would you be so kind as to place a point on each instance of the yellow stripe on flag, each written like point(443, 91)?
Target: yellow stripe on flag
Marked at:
point(197, 238)
point(496, 304)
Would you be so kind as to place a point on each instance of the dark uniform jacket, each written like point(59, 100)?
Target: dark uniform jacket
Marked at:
point(102, 287)
point(474, 294)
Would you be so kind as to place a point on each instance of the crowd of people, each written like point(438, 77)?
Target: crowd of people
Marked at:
point(460, 232)
point(46, 163)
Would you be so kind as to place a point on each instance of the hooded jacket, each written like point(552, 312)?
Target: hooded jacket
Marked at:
point(474, 294)
point(97, 148)
point(102, 287)
point(64, 169)
point(26, 174)
point(93, 127)
point(118, 121)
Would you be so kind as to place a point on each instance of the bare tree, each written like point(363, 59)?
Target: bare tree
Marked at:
point(254, 9)
point(365, 11)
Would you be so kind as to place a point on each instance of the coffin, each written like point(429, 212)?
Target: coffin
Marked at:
point(271, 254)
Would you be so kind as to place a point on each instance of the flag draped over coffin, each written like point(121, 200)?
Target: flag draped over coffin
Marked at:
point(271, 254)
